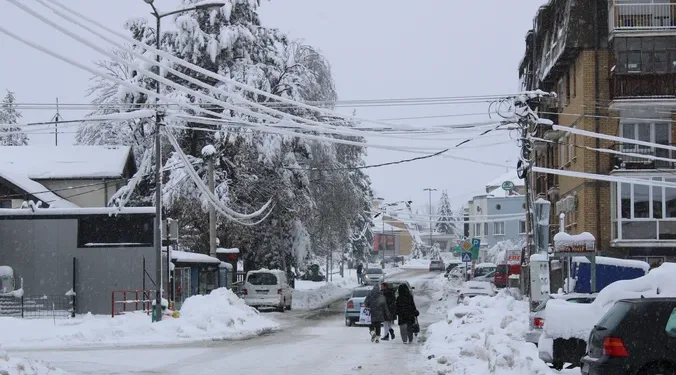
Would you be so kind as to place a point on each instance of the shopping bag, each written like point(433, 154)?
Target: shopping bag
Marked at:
point(416, 327)
point(364, 315)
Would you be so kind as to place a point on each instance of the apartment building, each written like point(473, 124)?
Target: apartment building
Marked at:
point(613, 65)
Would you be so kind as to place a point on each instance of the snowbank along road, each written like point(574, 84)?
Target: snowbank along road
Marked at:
point(309, 342)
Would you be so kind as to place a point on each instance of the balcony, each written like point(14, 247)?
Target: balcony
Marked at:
point(643, 86)
point(636, 16)
point(630, 162)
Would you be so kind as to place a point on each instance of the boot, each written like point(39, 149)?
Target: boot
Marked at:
point(386, 338)
point(373, 336)
point(392, 333)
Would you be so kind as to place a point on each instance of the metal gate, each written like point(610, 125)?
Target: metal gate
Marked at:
point(182, 287)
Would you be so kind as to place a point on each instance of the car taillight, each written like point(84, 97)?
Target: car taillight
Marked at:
point(614, 347)
point(538, 322)
point(350, 304)
point(245, 292)
point(279, 291)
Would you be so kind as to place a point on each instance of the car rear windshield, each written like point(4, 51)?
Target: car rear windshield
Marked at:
point(614, 316)
point(360, 293)
point(262, 278)
point(374, 270)
point(501, 269)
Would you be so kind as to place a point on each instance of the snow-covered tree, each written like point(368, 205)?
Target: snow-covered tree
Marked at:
point(319, 196)
point(12, 135)
point(446, 222)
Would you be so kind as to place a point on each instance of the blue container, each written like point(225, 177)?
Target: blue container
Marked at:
point(605, 275)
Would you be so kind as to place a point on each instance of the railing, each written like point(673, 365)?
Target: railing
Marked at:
point(130, 300)
point(36, 306)
point(643, 85)
point(642, 17)
point(638, 162)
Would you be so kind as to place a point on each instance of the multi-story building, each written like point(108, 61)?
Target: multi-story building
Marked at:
point(498, 215)
point(613, 65)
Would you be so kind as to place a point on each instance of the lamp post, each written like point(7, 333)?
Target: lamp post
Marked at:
point(158, 154)
point(430, 191)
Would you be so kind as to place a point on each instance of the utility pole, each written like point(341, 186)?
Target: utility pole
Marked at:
point(158, 150)
point(430, 193)
point(212, 210)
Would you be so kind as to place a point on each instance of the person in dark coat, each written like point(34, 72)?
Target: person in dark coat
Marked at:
point(360, 269)
point(376, 303)
point(407, 313)
point(391, 300)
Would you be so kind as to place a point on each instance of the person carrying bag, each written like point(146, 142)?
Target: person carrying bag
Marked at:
point(407, 313)
point(377, 305)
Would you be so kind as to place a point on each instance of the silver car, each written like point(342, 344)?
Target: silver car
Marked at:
point(373, 276)
point(354, 304)
point(536, 319)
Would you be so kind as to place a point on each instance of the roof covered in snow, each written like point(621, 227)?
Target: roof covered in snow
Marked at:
point(221, 250)
point(35, 189)
point(386, 227)
point(188, 257)
point(65, 162)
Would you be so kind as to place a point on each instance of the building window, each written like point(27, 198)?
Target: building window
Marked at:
point(522, 226)
point(645, 212)
point(123, 230)
point(655, 132)
point(499, 228)
point(574, 84)
point(485, 229)
point(562, 153)
point(477, 229)
point(645, 55)
point(561, 94)
point(567, 88)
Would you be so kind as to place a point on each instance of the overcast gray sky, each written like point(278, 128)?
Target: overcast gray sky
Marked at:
point(379, 49)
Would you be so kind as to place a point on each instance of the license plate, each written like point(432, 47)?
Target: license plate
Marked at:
point(262, 291)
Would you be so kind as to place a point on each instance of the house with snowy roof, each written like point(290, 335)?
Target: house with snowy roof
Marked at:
point(500, 213)
point(63, 176)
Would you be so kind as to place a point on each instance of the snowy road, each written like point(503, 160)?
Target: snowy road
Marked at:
point(309, 342)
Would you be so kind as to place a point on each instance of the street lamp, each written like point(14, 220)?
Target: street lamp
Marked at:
point(430, 191)
point(158, 153)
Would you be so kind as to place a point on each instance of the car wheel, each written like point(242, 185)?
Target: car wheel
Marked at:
point(348, 322)
point(281, 308)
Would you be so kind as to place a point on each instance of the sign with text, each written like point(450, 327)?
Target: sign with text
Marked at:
point(513, 257)
point(574, 244)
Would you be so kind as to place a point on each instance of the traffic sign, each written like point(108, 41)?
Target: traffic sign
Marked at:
point(508, 186)
point(476, 242)
point(466, 245)
point(457, 249)
point(466, 257)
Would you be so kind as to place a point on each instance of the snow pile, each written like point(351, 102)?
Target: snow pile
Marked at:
point(308, 295)
point(19, 366)
point(219, 316)
point(566, 320)
point(484, 336)
point(416, 264)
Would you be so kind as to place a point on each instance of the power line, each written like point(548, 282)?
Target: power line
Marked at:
point(373, 165)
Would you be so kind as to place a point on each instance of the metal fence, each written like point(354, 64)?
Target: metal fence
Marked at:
point(36, 306)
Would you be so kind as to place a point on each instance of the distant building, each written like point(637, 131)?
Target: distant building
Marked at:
point(498, 215)
point(63, 176)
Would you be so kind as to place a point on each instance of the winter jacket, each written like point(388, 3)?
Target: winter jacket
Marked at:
point(360, 268)
point(377, 303)
point(406, 310)
point(391, 303)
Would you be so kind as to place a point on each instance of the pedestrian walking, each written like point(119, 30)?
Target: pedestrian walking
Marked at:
point(360, 269)
point(407, 313)
point(377, 305)
point(391, 300)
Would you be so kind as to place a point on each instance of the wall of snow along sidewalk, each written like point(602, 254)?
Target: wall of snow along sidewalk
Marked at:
point(485, 335)
point(308, 295)
point(568, 320)
point(220, 315)
point(20, 366)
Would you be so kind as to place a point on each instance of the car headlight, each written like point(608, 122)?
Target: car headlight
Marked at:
point(366, 276)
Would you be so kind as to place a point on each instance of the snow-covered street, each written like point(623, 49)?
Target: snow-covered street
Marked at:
point(306, 341)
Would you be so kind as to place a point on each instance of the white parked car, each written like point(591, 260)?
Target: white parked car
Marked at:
point(536, 319)
point(267, 288)
point(476, 288)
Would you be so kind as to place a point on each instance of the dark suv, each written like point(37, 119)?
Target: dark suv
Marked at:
point(636, 336)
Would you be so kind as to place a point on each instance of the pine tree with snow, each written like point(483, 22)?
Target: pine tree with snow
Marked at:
point(446, 221)
point(9, 115)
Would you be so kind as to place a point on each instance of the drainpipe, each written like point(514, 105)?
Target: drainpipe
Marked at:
point(597, 121)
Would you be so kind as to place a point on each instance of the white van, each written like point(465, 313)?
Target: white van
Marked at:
point(267, 288)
